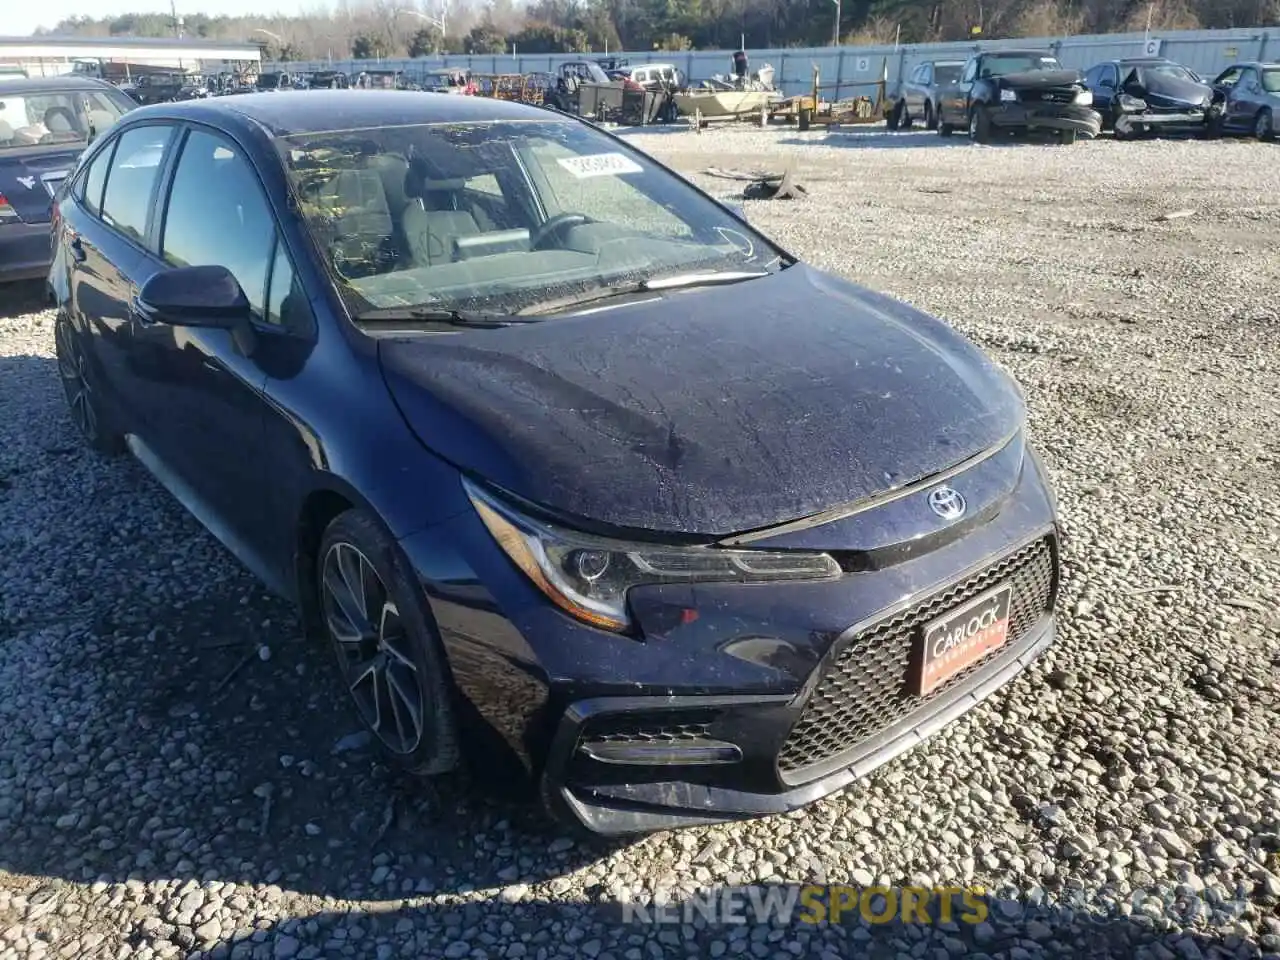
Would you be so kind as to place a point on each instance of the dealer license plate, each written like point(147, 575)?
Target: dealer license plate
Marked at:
point(961, 637)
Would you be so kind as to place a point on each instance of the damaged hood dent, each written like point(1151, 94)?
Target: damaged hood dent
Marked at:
point(710, 412)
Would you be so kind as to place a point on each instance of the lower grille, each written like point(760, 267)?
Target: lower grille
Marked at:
point(623, 731)
point(865, 690)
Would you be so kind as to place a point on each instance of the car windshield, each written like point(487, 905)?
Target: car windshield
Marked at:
point(1271, 80)
point(503, 216)
point(947, 72)
point(56, 116)
point(1174, 70)
point(1001, 65)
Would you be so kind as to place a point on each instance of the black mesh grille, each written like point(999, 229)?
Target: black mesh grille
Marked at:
point(624, 732)
point(866, 689)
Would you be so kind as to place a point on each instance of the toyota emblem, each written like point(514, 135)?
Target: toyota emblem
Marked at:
point(947, 503)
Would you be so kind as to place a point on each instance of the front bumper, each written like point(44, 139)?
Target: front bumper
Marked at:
point(1136, 122)
point(625, 808)
point(737, 700)
point(1043, 115)
point(25, 251)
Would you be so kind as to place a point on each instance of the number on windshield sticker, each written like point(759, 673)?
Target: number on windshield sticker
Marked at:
point(599, 165)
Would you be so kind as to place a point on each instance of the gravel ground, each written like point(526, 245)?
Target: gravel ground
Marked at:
point(177, 775)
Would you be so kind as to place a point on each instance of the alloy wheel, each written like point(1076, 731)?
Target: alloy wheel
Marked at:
point(374, 648)
point(73, 368)
point(1262, 127)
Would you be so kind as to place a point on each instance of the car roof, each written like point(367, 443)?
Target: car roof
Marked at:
point(1144, 60)
point(318, 111)
point(946, 63)
point(1021, 51)
point(44, 84)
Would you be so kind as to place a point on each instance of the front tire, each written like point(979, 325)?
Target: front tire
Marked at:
point(930, 121)
point(979, 125)
point(83, 400)
point(894, 120)
point(1264, 127)
point(1066, 137)
point(389, 658)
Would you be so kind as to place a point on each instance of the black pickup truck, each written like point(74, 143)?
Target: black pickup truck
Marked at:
point(1018, 92)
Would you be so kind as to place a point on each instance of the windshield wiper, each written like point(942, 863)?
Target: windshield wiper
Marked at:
point(643, 286)
point(453, 318)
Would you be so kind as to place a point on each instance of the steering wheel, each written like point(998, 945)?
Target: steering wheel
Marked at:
point(553, 227)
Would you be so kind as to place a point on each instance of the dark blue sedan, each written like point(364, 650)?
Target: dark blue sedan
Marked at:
point(572, 467)
point(44, 125)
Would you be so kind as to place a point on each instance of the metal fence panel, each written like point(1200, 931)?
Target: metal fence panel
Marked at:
point(1207, 52)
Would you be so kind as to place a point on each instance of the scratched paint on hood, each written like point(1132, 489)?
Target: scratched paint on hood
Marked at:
point(710, 412)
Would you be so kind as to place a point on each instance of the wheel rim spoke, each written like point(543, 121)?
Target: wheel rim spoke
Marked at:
point(375, 650)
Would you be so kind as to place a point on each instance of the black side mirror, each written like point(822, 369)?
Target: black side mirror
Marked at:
point(207, 297)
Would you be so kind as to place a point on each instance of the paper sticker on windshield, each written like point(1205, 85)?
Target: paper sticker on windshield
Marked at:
point(599, 165)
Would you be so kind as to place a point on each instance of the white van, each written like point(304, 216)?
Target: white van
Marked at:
point(657, 75)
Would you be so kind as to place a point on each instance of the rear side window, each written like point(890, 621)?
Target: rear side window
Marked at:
point(218, 215)
point(94, 180)
point(131, 181)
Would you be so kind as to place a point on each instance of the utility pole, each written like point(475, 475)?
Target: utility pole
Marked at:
point(835, 31)
point(177, 24)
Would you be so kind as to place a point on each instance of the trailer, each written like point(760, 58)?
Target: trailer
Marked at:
point(812, 108)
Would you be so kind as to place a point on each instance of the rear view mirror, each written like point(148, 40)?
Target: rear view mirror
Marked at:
point(194, 297)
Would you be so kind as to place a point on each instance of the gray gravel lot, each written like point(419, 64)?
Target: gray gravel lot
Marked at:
point(151, 807)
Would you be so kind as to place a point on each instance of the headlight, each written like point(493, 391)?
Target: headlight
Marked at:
point(1008, 96)
point(1084, 98)
point(588, 576)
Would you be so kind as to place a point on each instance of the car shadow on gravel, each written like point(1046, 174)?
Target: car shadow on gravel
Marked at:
point(760, 921)
point(244, 763)
point(23, 297)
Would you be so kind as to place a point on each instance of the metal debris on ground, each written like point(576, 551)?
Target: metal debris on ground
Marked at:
point(762, 185)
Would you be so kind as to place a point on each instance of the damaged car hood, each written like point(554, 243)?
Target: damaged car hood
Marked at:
point(1163, 90)
point(710, 412)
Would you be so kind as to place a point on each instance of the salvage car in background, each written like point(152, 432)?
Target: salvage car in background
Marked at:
point(1018, 92)
point(1149, 95)
point(45, 123)
point(919, 96)
point(563, 458)
point(1250, 94)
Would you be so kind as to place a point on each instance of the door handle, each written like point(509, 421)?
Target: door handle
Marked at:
point(77, 250)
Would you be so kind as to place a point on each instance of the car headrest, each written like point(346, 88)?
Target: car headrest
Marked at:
point(417, 183)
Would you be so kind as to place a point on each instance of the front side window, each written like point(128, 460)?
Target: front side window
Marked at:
point(499, 216)
point(58, 116)
point(131, 181)
point(217, 215)
point(1271, 80)
point(1229, 78)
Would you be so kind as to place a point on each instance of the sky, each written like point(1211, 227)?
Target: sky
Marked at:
point(21, 17)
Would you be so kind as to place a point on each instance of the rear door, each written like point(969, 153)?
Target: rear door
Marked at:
point(103, 237)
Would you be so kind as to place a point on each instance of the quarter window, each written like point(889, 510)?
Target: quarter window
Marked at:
point(131, 182)
point(95, 179)
point(217, 215)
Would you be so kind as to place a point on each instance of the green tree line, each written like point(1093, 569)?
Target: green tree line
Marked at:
point(368, 29)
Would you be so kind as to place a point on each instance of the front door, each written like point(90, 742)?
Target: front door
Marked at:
point(210, 426)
